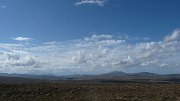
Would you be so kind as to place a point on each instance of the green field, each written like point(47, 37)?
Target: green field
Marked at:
point(79, 91)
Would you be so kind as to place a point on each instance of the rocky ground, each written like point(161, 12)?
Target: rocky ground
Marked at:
point(78, 91)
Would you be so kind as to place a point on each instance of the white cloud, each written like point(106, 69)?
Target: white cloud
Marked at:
point(22, 39)
point(101, 36)
point(96, 54)
point(163, 65)
point(97, 2)
point(175, 36)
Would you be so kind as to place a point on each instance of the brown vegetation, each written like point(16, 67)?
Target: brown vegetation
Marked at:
point(78, 91)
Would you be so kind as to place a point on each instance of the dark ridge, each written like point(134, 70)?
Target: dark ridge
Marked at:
point(145, 74)
point(12, 80)
point(116, 73)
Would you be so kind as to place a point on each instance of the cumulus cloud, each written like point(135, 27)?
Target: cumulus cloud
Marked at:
point(22, 39)
point(97, 2)
point(175, 36)
point(95, 54)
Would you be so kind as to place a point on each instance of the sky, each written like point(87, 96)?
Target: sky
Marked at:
point(89, 36)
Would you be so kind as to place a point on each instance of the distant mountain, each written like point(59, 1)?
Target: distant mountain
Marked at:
point(115, 76)
point(121, 74)
point(3, 74)
point(115, 73)
point(145, 74)
point(32, 76)
point(12, 80)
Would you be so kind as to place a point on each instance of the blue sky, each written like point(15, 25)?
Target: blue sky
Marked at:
point(60, 20)
point(89, 36)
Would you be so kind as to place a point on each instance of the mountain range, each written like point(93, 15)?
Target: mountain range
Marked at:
point(115, 76)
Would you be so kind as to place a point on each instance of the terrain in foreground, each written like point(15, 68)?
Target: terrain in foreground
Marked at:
point(89, 91)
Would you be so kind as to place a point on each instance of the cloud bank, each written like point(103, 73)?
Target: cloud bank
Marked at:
point(92, 55)
point(97, 2)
